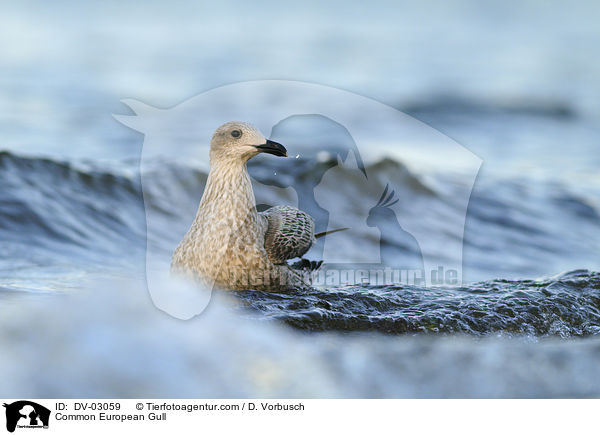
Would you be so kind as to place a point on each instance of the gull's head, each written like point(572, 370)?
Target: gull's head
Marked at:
point(239, 141)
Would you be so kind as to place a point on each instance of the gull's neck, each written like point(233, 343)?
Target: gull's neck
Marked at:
point(228, 189)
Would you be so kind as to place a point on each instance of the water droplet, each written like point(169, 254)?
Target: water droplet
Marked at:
point(323, 156)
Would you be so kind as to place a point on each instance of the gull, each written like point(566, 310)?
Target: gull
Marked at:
point(232, 246)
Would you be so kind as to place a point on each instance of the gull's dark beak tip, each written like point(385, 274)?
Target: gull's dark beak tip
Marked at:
point(274, 148)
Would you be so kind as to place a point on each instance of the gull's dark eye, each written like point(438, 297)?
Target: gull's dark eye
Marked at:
point(236, 133)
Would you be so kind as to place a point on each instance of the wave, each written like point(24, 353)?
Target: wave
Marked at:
point(67, 210)
point(565, 306)
point(113, 332)
point(448, 104)
point(81, 212)
point(87, 216)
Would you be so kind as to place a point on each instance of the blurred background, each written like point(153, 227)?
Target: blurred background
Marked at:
point(517, 83)
point(65, 66)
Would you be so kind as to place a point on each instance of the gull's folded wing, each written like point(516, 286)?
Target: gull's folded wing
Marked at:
point(290, 233)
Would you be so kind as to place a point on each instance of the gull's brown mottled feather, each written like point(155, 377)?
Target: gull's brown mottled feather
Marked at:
point(290, 233)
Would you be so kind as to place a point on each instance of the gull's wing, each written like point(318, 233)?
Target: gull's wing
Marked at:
point(290, 233)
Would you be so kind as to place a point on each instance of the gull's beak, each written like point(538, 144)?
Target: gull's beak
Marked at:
point(272, 148)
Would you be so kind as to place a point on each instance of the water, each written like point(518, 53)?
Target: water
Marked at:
point(563, 306)
point(132, 351)
point(524, 322)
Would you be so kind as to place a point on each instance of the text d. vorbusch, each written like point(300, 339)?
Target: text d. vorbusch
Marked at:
point(277, 406)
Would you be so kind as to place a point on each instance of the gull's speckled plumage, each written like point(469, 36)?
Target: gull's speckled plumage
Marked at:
point(231, 245)
point(290, 233)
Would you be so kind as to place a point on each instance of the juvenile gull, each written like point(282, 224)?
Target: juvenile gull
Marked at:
point(231, 245)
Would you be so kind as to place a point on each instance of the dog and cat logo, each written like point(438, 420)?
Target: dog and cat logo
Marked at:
point(26, 414)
